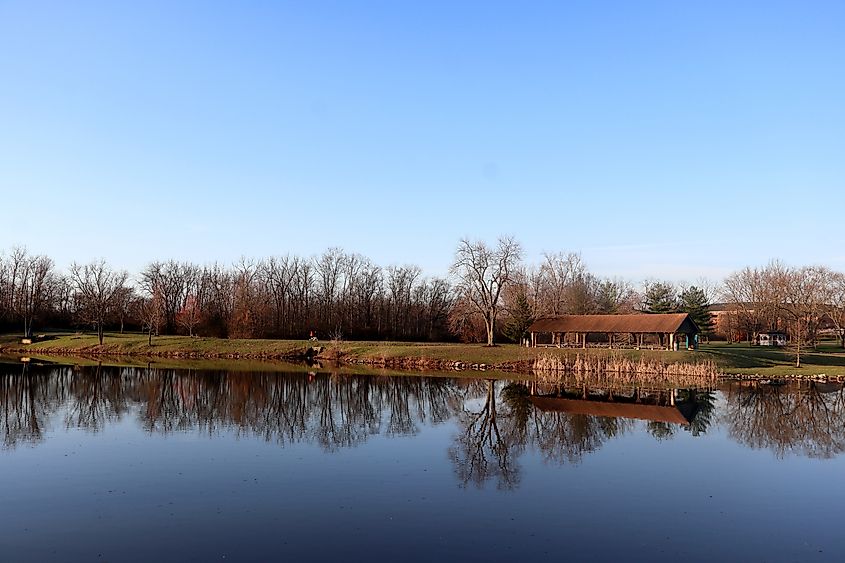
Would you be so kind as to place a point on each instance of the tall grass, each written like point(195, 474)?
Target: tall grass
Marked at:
point(621, 370)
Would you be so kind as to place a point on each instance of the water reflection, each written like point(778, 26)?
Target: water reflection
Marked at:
point(488, 443)
point(497, 421)
point(333, 411)
point(805, 420)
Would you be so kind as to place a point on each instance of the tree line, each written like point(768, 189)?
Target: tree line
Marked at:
point(490, 294)
point(335, 294)
point(800, 301)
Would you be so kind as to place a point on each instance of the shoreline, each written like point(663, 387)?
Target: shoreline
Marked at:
point(443, 357)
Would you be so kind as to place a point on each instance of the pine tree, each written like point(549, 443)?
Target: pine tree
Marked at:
point(520, 318)
point(695, 303)
point(660, 298)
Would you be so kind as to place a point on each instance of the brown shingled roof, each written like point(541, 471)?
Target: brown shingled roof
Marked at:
point(674, 322)
point(654, 413)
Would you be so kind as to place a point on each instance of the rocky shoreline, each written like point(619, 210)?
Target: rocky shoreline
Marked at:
point(320, 353)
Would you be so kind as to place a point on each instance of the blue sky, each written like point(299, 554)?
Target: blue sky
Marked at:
point(660, 139)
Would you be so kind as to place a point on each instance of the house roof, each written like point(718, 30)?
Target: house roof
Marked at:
point(680, 414)
point(674, 322)
point(719, 307)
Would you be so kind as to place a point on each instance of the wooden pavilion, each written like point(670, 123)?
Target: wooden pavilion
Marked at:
point(575, 330)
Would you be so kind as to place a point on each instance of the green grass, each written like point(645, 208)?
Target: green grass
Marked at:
point(742, 359)
point(738, 359)
point(137, 344)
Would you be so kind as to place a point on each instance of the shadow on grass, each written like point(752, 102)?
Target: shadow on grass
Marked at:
point(750, 358)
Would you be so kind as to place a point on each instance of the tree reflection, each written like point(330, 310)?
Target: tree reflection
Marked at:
point(332, 410)
point(705, 404)
point(27, 401)
point(565, 438)
point(96, 397)
point(802, 419)
point(481, 450)
point(497, 421)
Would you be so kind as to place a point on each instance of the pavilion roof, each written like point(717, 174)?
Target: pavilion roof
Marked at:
point(643, 323)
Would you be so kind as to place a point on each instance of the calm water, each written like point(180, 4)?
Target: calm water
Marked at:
point(127, 464)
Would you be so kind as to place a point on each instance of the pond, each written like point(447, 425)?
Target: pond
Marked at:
point(144, 464)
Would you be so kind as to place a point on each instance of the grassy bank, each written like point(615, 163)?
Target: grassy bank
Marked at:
point(737, 359)
point(134, 344)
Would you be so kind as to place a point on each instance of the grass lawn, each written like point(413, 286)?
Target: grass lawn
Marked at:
point(740, 359)
point(138, 344)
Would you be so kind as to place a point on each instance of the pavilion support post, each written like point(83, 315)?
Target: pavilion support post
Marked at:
point(584, 339)
point(610, 339)
point(533, 339)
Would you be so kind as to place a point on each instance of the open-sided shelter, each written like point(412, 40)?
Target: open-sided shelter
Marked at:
point(668, 328)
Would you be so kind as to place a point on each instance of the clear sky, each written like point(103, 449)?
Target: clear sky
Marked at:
point(660, 139)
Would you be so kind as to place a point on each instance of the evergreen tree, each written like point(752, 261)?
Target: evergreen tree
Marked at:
point(608, 297)
point(660, 298)
point(695, 303)
point(520, 318)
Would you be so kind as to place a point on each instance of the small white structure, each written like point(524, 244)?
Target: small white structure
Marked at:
point(772, 339)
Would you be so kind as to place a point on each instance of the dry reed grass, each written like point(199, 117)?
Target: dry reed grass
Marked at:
point(621, 370)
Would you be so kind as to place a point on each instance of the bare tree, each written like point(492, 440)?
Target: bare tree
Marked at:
point(566, 284)
point(329, 267)
point(835, 301)
point(97, 288)
point(752, 294)
point(150, 310)
point(400, 283)
point(29, 279)
point(5, 290)
point(169, 280)
point(248, 307)
point(802, 302)
point(368, 292)
point(190, 313)
point(482, 273)
point(122, 304)
point(436, 299)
